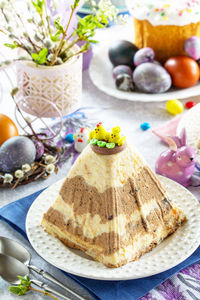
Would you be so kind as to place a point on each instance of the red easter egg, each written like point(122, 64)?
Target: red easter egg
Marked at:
point(183, 70)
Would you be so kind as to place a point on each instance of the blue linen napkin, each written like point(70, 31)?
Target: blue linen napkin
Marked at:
point(15, 215)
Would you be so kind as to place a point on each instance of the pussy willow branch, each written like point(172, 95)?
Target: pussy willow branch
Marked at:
point(19, 42)
point(37, 29)
point(42, 32)
point(64, 50)
point(47, 17)
point(33, 20)
point(5, 17)
point(43, 23)
point(62, 39)
point(76, 40)
point(74, 54)
point(1, 30)
point(21, 21)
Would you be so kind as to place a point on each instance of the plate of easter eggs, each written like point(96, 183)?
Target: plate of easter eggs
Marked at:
point(121, 70)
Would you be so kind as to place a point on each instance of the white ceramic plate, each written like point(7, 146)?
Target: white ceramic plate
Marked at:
point(101, 75)
point(191, 122)
point(169, 253)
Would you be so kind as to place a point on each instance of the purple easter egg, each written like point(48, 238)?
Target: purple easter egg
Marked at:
point(151, 78)
point(124, 82)
point(121, 69)
point(192, 47)
point(15, 152)
point(39, 149)
point(143, 55)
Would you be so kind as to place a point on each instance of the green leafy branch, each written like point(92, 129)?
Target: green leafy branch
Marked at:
point(41, 57)
point(86, 27)
point(12, 46)
point(39, 5)
point(60, 30)
point(50, 44)
point(85, 31)
point(64, 34)
point(24, 286)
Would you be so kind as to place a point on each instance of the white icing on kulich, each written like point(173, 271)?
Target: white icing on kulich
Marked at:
point(166, 12)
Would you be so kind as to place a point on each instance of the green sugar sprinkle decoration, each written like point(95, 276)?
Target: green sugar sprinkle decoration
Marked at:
point(110, 145)
point(101, 144)
point(162, 14)
point(93, 141)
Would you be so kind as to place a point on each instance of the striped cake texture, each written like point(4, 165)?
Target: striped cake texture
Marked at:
point(112, 207)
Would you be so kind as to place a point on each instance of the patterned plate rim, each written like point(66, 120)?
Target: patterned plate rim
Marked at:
point(180, 245)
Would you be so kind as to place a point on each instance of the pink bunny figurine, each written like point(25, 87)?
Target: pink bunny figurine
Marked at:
point(178, 162)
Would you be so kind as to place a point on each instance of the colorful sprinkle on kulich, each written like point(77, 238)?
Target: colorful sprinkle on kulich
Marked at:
point(166, 12)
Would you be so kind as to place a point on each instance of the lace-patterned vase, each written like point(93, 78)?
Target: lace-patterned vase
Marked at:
point(60, 84)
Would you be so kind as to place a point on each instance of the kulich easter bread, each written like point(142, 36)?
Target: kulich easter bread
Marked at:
point(111, 204)
point(165, 25)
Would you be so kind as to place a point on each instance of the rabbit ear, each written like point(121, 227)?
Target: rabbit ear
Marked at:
point(177, 141)
point(183, 137)
point(171, 143)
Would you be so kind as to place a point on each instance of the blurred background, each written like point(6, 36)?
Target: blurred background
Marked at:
point(120, 4)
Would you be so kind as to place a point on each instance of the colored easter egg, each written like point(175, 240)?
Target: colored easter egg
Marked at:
point(124, 82)
point(192, 47)
point(151, 78)
point(174, 107)
point(122, 69)
point(8, 128)
point(122, 52)
point(183, 70)
point(189, 104)
point(39, 149)
point(145, 126)
point(143, 55)
point(69, 138)
point(15, 152)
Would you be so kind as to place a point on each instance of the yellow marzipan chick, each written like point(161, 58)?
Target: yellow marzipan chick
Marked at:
point(98, 133)
point(116, 137)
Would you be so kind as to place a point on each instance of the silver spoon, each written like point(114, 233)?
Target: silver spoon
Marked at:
point(16, 250)
point(10, 268)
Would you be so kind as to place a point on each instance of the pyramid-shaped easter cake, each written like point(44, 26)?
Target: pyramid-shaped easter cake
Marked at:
point(111, 205)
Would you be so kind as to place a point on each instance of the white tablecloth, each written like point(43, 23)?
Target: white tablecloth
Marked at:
point(129, 115)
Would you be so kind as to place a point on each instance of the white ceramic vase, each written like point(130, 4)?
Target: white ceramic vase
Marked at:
point(60, 85)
